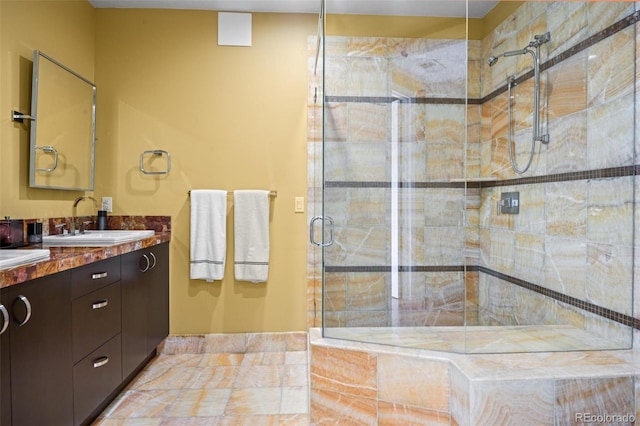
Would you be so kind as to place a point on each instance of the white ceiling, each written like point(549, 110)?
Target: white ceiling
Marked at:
point(439, 8)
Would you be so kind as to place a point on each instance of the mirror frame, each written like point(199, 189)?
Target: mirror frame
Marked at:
point(33, 146)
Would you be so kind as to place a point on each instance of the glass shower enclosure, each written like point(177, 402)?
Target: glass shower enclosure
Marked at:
point(424, 234)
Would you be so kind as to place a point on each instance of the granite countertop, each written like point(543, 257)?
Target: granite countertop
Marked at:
point(65, 258)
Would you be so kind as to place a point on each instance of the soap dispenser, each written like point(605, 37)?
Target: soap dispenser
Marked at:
point(102, 220)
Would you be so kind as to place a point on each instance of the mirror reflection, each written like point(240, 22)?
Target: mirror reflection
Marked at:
point(63, 127)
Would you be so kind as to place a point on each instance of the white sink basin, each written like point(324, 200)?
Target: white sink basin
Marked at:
point(96, 238)
point(13, 258)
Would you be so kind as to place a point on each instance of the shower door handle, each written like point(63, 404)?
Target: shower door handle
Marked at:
point(312, 231)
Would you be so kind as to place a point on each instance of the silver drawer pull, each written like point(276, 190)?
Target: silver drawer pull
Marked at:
point(5, 319)
point(27, 305)
point(147, 266)
point(100, 304)
point(99, 362)
point(153, 257)
point(98, 275)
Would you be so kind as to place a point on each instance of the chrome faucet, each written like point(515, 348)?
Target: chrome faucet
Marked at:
point(72, 231)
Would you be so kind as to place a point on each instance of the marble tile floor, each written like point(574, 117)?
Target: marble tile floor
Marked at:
point(254, 388)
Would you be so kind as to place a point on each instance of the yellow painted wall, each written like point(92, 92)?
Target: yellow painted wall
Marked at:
point(419, 26)
point(402, 26)
point(231, 118)
point(64, 30)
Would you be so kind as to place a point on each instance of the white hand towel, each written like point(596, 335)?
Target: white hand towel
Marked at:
point(251, 231)
point(208, 234)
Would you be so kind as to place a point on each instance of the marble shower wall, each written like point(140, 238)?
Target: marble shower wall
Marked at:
point(574, 231)
point(572, 236)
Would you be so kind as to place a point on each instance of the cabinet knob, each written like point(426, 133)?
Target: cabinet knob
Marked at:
point(5, 319)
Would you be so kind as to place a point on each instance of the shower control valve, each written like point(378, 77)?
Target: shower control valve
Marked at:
point(509, 203)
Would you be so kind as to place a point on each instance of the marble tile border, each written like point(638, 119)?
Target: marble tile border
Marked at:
point(579, 47)
point(390, 99)
point(401, 268)
point(607, 173)
point(609, 314)
point(400, 185)
point(234, 343)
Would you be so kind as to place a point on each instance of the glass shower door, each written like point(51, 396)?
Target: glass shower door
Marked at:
point(415, 166)
point(393, 193)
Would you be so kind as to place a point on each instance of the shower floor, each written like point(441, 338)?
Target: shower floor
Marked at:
point(480, 339)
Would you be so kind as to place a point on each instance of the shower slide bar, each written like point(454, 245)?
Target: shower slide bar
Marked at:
point(538, 40)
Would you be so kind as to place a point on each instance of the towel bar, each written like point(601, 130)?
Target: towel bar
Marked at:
point(272, 194)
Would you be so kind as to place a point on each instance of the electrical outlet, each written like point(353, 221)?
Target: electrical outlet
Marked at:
point(107, 204)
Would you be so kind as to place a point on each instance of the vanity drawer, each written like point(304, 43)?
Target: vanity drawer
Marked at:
point(88, 278)
point(95, 377)
point(96, 317)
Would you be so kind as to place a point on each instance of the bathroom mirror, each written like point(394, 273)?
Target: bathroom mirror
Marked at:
point(63, 127)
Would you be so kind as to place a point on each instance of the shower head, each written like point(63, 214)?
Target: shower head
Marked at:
point(493, 58)
point(538, 40)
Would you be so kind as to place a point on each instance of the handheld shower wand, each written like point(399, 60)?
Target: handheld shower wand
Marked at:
point(538, 40)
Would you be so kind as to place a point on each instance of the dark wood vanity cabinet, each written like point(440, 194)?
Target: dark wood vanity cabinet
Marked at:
point(84, 333)
point(5, 366)
point(36, 353)
point(158, 298)
point(145, 295)
point(96, 323)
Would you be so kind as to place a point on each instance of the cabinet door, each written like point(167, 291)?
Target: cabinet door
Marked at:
point(158, 296)
point(40, 351)
point(95, 377)
point(134, 311)
point(96, 318)
point(145, 304)
point(94, 276)
point(5, 365)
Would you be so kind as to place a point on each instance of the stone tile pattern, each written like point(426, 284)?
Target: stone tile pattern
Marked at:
point(231, 379)
point(572, 236)
point(355, 383)
point(355, 387)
